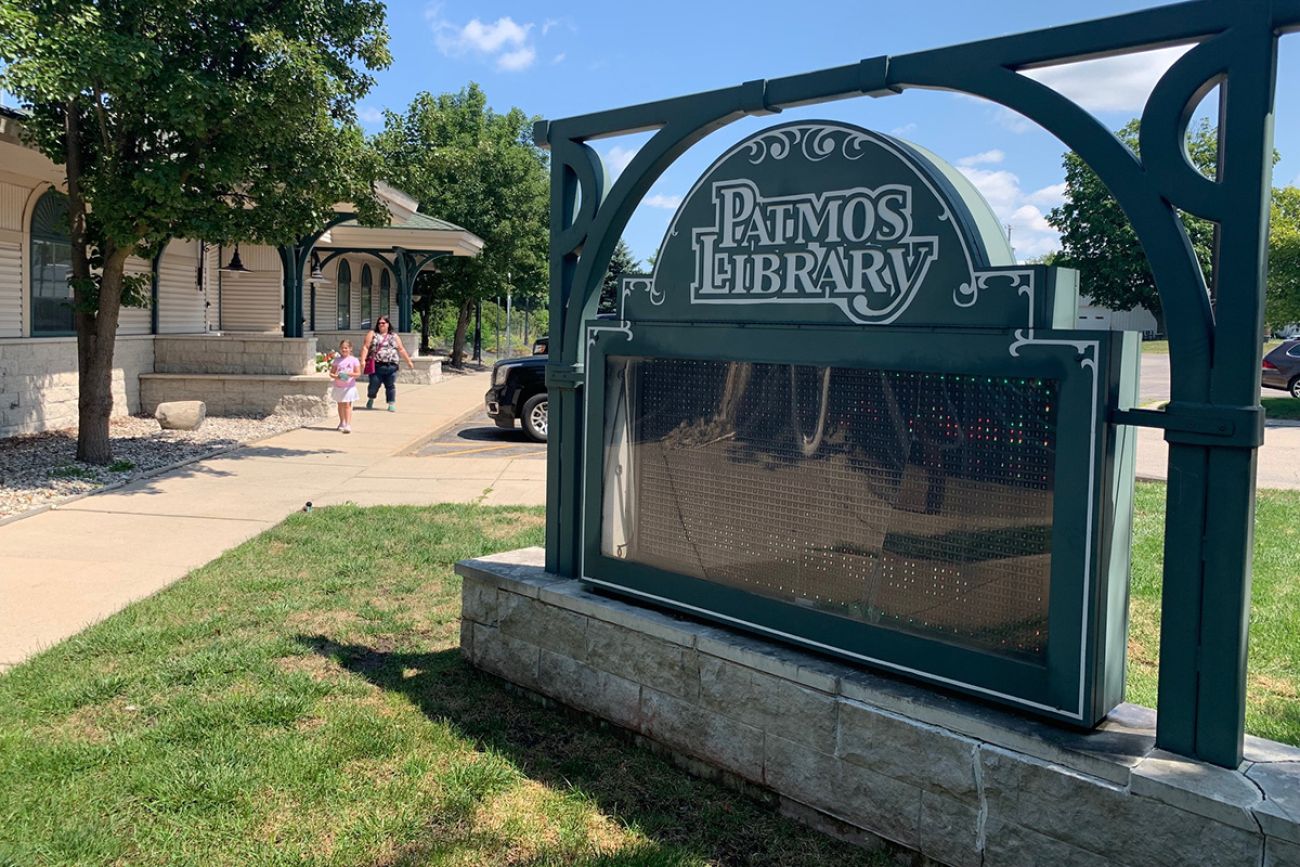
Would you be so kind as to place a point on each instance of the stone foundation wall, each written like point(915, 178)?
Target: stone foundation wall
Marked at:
point(38, 381)
point(306, 395)
point(957, 781)
point(264, 354)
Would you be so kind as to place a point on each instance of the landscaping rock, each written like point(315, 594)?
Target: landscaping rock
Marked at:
point(181, 414)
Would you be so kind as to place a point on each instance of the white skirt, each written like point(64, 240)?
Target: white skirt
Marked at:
point(343, 395)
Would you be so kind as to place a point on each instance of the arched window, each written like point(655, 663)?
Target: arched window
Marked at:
point(367, 290)
point(345, 295)
point(51, 267)
point(385, 294)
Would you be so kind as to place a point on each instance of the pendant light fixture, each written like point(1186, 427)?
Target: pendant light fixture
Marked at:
point(316, 275)
point(235, 265)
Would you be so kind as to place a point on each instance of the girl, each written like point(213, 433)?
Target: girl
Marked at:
point(344, 369)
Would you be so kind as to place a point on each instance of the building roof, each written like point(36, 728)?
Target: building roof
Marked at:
point(410, 230)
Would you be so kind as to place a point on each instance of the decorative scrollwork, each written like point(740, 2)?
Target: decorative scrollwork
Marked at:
point(816, 142)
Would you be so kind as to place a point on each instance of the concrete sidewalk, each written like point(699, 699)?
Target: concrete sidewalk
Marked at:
point(64, 569)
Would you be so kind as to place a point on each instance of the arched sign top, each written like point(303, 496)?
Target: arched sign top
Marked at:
point(821, 222)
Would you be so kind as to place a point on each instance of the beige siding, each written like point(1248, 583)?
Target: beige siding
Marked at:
point(11, 289)
point(180, 298)
point(13, 202)
point(135, 320)
point(251, 302)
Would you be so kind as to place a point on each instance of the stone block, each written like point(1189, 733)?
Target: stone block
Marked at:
point(301, 405)
point(1216, 793)
point(181, 414)
point(479, 602)
point(880, 804)
point(467, 640)
point(925, 756)
point(516, 661)
point(770, 703)
point(544, 625)
point(1108, 752)
point(1281, 853)
point(517, 571)
point(950, 831)
point(1009, 845)
point(608, 696)
point(577, 596)
point(665, 666)
point(1098, 816)
point(717, 740)
point(776, 659)
point(1279, 813)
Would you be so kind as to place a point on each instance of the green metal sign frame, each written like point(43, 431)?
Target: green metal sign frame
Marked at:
point(1213, 424)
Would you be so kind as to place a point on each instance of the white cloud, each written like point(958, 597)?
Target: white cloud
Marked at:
point(369, 114)
point(513, 61)
point(548, 24)
point(987, 157)
point(504, 41)
point(617, 158)
point(1013, 121)
point(559, 58)
point(1120, 83)
point(1031, 235)
point(905, 129)
point(659, 200)
point(1048, 197)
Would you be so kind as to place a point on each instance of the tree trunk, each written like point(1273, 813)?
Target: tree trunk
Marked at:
point(426, 310)
point(458, 343)
point(95, 318)
point(96, 340)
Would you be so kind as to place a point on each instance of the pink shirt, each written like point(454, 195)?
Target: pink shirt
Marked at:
point(341, 366)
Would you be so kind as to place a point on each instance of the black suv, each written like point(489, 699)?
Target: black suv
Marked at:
point(519, 392)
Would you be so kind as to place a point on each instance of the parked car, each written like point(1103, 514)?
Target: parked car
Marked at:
point(519, 392)
point(1282, 368)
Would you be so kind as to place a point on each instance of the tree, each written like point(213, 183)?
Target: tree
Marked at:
point(225, 120)
point(1098, 240)
point(1282, 299)
point(466, 163)
point(622, 262)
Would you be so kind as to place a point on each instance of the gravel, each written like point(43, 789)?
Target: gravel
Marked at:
point(41, 469)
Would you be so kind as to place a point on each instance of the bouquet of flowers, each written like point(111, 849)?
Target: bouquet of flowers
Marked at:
point(324, 360)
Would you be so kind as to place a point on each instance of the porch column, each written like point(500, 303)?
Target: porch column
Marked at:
point(292, 259)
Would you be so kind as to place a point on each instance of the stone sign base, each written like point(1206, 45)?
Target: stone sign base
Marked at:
point(957, 781)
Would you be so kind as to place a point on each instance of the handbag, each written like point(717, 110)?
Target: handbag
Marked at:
point(370, 360)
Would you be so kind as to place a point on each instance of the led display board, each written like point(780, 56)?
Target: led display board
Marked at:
point(840, 414)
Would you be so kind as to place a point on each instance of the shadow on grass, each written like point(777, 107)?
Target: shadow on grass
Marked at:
point(685, 819)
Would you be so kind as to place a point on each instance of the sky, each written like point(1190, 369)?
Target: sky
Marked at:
point(560, 59)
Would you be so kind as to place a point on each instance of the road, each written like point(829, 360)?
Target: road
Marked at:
point(1279, 457)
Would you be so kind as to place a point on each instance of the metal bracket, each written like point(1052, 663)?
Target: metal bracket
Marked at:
point(1200, 424)
point(568, 376)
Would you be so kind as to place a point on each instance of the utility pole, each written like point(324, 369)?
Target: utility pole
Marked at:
point(508, 349)
point(498, 327)
point(478, 330)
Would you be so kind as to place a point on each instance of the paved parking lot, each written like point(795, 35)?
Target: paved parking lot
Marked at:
point(1279, 457)
point(475, 436)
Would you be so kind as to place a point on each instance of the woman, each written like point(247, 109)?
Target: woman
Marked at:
point(384, 346)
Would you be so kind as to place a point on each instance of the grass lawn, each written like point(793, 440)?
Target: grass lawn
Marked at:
point(291, 703)
point(1272, 708)
point(1281, 407)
